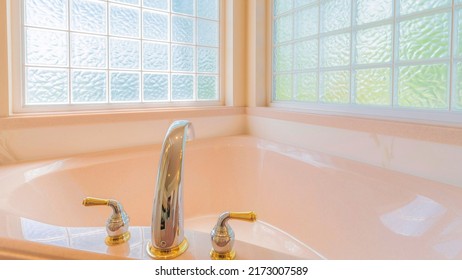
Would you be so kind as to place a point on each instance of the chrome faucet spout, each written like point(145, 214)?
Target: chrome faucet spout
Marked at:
point(167, 232)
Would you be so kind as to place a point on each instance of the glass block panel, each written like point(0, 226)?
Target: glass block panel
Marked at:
point(306, 87)
point(335, 87)
point(208, 9)
point(124, 54)
point(335, 14)
point(299, 3)
point(182, 87)
point(207, 60)
point(45, 13)
point(132, 2)
point(207, 33)
point(426, 37)
point(155, 87)
point(88, 86)
point(373, 10)
point(411, 6)
point(373, 86)
point(183, 6)
point(182, 29)
point(125, 86)
point(156, 4)
point(458, 51)
point(182, 58)
point(306, 55)
point(283, 30)
point(155, 56)
point(306, 22)
point(156, 26)
point(283, 58)
point(335, 50)
point(282, 6)
point(423, 86)
point(283, 87)
point(47, 86)
point(88, 16)
point(207, 87)
point(45, 47)
point(457, 104)
point(124, 21)
point(374, 45)
point(88, 51)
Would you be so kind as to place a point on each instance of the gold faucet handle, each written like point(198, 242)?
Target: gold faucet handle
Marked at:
point(222, 235)
point(117, 224)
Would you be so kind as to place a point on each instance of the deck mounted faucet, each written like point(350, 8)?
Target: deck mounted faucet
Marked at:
point(167, 232)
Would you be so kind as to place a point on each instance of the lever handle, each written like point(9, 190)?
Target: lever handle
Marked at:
point(117, 224)
point(222, 235)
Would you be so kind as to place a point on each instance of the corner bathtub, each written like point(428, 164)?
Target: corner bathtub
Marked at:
point(309, 205)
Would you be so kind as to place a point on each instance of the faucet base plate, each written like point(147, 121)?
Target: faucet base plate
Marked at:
point(214, 255)
point(119, 239)
point(167, 254)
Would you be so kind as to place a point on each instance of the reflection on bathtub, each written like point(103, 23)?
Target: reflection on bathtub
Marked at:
point(415, 218)
point(44, 170)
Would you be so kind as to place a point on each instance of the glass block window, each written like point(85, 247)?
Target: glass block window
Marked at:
point(120, 51)
point(404, 54)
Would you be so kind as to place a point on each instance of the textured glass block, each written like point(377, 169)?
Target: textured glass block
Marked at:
point(207, 33)
point(335, 50)
point(306, 22)
point(156, 26)
point(124, 54)
point(426, 37)
point(306, 87)
point(44, 47)
point(283, 58)
point(207, 60)
point(88, 51)
point(125, 86)
point(374, 45)
point(132, 2)
point(47, 86)
point(283, 29)
point(411, 6)
point(155, 56)
point(124, 21)
point(282, 6)
point(155, 87)
point(182, 87)
point(283, 87)
point(335, 14)
point(373, 86)
point(182, 29)
point(457, 104)
point(373, 10)
point(458, 51)
point(46, 13)
point(423, 86)
point(183, 6)
point(306, 55)
point(88, 86)
point(182, 58)
point(335, 87)
point(157, 4)
point(299, 3)
point(207, 87)
point(88, 16)
point(208, 9)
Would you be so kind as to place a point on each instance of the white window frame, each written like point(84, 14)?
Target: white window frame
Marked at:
point(17, 76)
point(424, 116)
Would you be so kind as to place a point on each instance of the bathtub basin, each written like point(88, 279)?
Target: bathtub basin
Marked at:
point(309, 205)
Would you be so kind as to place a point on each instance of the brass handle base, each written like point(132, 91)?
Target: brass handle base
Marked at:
point(214, 255)
point(167, 254)
point(119, 239)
